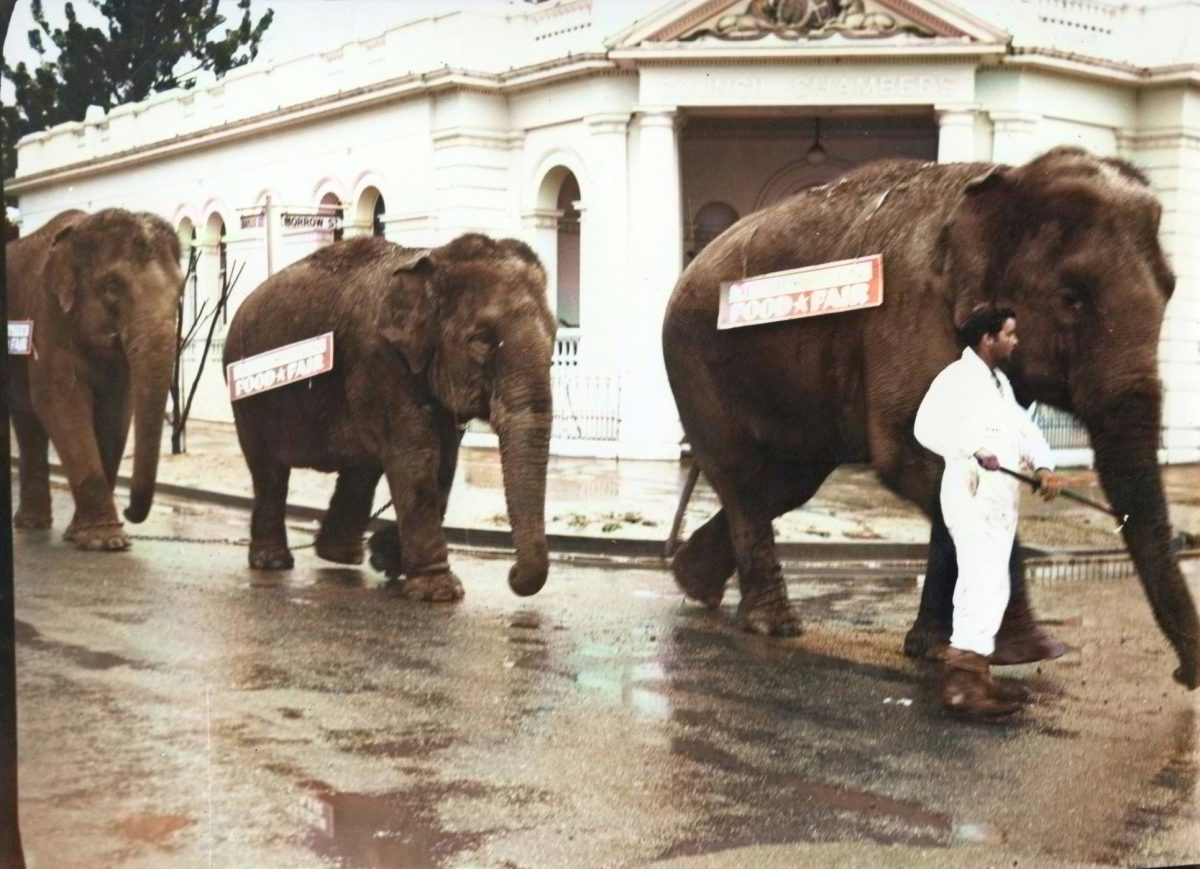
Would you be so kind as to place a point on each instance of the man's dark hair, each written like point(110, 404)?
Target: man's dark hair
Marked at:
point(984, 320)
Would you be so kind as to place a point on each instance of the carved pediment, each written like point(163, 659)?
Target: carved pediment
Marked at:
point(805, 19)
point(799, 21)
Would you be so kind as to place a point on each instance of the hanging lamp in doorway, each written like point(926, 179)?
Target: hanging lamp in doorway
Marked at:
point(816, 154)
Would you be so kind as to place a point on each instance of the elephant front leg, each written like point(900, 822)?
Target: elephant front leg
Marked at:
point(424, 558)
point(33, 510)
point(386, 552)
point(67, 414)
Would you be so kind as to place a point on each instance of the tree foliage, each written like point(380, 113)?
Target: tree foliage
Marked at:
point(144, 46)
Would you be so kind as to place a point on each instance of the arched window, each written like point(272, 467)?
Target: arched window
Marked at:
point(215, 274)
point(330, 204)
point(377, 217)
point(567, 273)
point(710, 221)
point(188, 252)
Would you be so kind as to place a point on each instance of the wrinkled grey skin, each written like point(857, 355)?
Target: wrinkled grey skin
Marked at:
point(103, 293)
point(1069, 241)
point(424, 340)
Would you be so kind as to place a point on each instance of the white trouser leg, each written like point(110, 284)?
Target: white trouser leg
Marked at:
point(984, 544)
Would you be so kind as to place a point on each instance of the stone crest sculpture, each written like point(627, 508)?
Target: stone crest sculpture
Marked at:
point(806, 19)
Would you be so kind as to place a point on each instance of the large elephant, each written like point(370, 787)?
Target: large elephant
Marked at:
point(424, 340)
point(103, 292)
point(1068, 240)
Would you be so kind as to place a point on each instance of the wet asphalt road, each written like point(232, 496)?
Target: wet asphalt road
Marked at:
point(176, 710)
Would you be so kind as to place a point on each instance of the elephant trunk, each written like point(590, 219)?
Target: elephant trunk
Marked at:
point(522, 419)
point(151, 361)
point(1125, 435)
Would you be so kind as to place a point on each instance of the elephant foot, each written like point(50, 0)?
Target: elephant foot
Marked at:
point(701, 575)
point(432, 587)
point(105, 537)
point(1188, 674)
point(767, 611)
point(271, 556)
point(30, 520)
point(340, 551)
point(926, 640)
point(385, 550)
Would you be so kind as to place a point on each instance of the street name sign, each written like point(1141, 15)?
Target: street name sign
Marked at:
point(813, 291)
point(279, 367)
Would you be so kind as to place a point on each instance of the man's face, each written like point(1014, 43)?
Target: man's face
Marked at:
point(1006, 340)
point(998, 348)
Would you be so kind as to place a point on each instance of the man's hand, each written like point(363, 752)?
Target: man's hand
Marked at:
point(987, 460)
point(1049, 484)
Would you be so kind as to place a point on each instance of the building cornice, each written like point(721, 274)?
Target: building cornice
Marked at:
point(393, 90)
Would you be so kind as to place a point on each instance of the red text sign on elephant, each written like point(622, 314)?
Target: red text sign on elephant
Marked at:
point(20, 337)
point(280, 366)
point(828, 288)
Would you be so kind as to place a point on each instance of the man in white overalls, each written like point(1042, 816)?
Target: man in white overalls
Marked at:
point(970, 418)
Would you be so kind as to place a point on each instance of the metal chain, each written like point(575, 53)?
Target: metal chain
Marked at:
point(229, 541)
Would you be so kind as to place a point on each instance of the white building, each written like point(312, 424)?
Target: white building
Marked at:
point(617, 144)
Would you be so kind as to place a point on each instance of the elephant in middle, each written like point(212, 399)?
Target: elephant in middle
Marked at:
point(424, 340)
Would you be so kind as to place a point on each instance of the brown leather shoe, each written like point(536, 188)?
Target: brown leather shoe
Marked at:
point(968, 689)
point(1021, 640)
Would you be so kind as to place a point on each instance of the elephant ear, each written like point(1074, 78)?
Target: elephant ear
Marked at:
point(976, 237)
point(61, 274)
point(412, 331)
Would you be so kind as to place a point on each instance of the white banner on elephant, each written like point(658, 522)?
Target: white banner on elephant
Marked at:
point(813, 291)
point(281, 366)
point(20, 337)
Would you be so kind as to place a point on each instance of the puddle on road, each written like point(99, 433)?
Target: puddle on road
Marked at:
point(381, 831)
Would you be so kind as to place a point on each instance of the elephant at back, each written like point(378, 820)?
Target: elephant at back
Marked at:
point(424, 340)
point(1069, 241)
point(102, 292)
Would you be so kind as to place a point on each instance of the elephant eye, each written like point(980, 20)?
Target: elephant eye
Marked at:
point(1073, 297)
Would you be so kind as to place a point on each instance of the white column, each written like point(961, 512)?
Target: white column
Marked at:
point(1014, 137)
point(956, 133)
point(604, 246)
point(539, 229)
point(1171, 158)
point(649, 420)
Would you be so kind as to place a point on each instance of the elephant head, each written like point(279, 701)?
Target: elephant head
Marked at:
point(1070, 242)
point(113, 279)
point(478, 329)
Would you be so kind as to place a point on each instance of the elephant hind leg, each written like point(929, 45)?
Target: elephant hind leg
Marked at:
point(703, 564)
point(340, 537)
point(268, 533)
point(748, 540)
point(33, 509)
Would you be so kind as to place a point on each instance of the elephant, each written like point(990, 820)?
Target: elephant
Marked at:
point(424, 340)
point(103, 293)
point(1068, 240)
